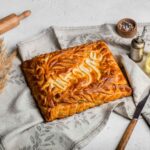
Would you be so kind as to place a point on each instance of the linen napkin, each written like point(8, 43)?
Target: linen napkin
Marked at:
point(22, 126)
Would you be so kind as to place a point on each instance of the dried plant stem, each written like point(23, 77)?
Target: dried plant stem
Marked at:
point(5, 64)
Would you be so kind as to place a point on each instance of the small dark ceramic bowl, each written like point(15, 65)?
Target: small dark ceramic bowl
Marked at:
point(126, 28)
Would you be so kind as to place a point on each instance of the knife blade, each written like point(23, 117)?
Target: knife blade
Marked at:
point(140, 106)
point(126, 136)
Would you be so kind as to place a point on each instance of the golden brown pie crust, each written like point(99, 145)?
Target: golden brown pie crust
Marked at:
point(70, 81)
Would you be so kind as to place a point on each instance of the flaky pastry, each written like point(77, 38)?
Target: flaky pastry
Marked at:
point(70, 81)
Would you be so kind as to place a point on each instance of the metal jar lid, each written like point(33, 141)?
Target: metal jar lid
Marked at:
point(138, 43)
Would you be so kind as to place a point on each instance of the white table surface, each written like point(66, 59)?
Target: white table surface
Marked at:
point(78, 13)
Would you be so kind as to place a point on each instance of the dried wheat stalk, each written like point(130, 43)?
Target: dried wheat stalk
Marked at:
point(5, 64)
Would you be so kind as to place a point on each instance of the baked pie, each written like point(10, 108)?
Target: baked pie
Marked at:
point(70, 81)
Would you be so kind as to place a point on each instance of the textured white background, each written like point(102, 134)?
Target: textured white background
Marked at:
point(78, 13)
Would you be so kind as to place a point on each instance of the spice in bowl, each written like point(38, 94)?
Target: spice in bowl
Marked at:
point(126, 28)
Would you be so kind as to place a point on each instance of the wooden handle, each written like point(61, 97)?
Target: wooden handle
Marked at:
point(126, 136)
point(24, 14)
point(9, 22)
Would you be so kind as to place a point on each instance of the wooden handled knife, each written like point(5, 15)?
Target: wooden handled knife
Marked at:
point(126, 136)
